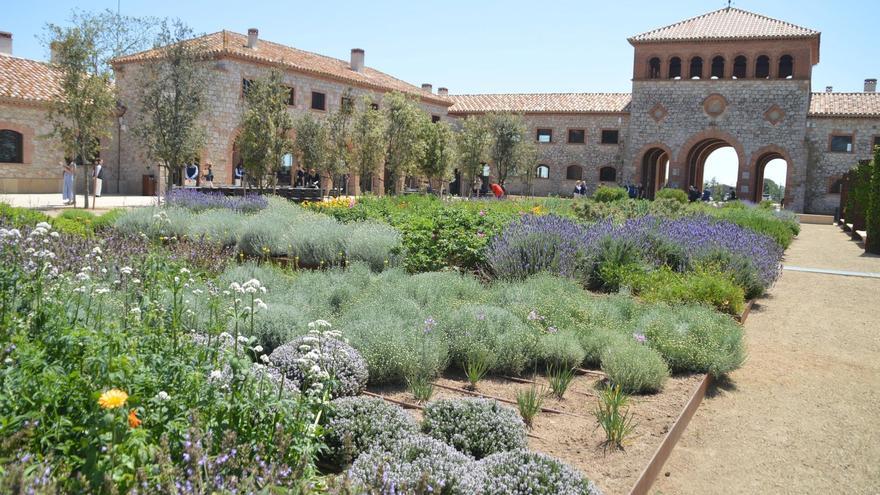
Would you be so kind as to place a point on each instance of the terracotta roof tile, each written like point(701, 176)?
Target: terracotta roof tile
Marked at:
point(28, 80)
point(725, 24)
point(227, 43)
point(542, 103)
point(845, 105)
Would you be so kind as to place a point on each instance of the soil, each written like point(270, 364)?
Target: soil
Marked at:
point(575, 437)
point(801, 416)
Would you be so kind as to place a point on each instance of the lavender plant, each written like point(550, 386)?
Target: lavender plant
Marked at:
point(521, 472)
point(356, 424)
point(477, 427)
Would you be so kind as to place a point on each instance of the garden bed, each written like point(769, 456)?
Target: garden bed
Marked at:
point(571, 434)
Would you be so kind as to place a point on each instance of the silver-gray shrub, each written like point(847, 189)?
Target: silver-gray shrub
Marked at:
point(155, 222)
point(477, 427)
point(415, 464)
point(636, 367)
point(280, 324)
point(521, 472)
point(492, 330)
point(356, 424)
point(694, 338)
point(217, 225)
point(315, 240)
point(345, 365)
point(375, 244)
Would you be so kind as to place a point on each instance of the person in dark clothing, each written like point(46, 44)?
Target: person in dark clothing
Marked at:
point(693, 194)
point(300, 177)
point(314, 180)
point(707, 195)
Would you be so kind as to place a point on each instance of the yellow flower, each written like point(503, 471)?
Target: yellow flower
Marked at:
point(113, 398)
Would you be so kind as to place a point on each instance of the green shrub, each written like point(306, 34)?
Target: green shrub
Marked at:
point(674, 194)
point(635, 367)
point(105, 221)
point(561, 348)
point(606, 194)
point(695, 338)
point(523, 472)
point(21, 217)
point(492, 330)
point(477, 427)
point(356, 424)
point(279, 324)
point(219, 225)
point(703, 286)
point(373, 243)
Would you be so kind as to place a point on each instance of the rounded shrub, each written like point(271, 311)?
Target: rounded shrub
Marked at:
point(342, 361)
point(695, 338)
point(356, 424)
point(594, 341)
point(375, 244)
point(673, 194)
point(416, 464)
point(478, 427)
point(606, 194)
point(636, 367)
point(278, 325)
point(561, 348)
point(522, 472)
point(490, 329)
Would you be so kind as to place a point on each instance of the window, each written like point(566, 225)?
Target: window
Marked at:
point(841, 143)
point(834, 185)
point(876, 143)
point(542, 172)
point(346, 103)
point(696, 68)
point(246, 86)
point(786, 67)
point(374, 106)
point(545, 135)
point(291, 96)
point(675, 68)
point(762, 67)
point(654, 68)
point(739, 67)
point(607, 174)
point(610, 136)
point(435, 119)
point(717, 68)
point(11, 146)
point(574, 172)
point(576, 136)
point(319, 101)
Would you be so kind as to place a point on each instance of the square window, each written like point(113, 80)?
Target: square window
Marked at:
point(374, 106)
point(842, 143)
point(346, 103)
point(435, 119)
point(834, 185)
point(576, 136)
point(246, 86)
point(876, 142)
point(610, 136)
point(545, 135)
point(319, 101)
point(291, 97)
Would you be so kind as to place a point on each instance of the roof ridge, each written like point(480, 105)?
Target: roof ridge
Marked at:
point(546, 93)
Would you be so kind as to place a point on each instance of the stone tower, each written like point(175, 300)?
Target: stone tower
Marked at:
point(726, 78)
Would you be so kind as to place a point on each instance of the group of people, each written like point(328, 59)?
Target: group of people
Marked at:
point(309, 178)
point(68, 172)
point(694, 194)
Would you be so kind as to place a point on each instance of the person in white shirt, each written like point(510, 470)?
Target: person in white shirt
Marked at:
point(67, 192)
point(99, 177)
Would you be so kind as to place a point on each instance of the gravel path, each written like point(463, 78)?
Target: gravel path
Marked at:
point(803, 414)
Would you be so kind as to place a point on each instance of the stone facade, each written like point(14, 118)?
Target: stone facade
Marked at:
point(40, 170)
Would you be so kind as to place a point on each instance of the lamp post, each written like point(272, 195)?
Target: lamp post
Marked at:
point(120, 112)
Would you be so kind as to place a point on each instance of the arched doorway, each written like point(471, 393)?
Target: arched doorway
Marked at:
point(771, 177)
point(720, 171)
point(655, 171)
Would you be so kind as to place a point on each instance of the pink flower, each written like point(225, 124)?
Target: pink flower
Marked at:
point(481, 235)
point(482, 213)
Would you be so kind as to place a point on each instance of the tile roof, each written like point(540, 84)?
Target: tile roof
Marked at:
point(542, 103)
point(28, 80)
point(228, 43)
point(725, 24)
point(845, 105)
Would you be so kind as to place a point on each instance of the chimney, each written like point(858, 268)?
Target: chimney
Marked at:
point(443, 91)
point(5, 43)
point(829, 89)
point(53, 52)
point(357, 59)
point(430, 89)
point(870, 85)
point(253, 37)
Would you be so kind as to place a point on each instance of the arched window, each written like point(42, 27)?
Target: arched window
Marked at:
point(542, 172)
point(762, 67)
point(574, 172)
point(696, 68)
point(11, 146)
point(607, 174)
point(835, 185)
point(717, 68)
point(675, 68)
point(739, 67)
point(654, 68)
point(786, 67)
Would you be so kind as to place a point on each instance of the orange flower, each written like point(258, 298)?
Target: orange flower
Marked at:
point(133, 420)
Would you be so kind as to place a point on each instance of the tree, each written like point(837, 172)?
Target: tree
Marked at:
point(339, 135)
point(368, 141)
point(473, 143)
point(171, 93)
point(510, 144)
point(436, 162)
point(265, 127)
point(872, 221)
point(403, 137)
point(311, 144)
point(774, 190)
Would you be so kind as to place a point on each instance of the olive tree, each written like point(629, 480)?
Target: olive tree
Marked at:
point(439, 155)
point(403, 137)
point(368, 141)
point(472, 143)
point(311, 144)
point(511, 149)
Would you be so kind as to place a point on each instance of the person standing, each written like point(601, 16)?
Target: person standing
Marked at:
point(98, 174)
point(192, 174)
point(238, 175)
point(209, 175)
point(69, 172)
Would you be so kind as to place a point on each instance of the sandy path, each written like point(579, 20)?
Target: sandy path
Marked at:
point(803, 414)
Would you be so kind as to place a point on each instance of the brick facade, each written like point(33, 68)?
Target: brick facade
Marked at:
point(40, 171)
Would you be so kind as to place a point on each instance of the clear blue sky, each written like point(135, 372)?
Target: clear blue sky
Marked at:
point(485, 46)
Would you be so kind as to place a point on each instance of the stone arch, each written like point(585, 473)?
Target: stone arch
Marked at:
point(717, 67)
point(695, 67)
point(27, 140)
point(762, 67)
point(651, 165)
point(653, 68)
point(674, 68)
point(692, 156)
point(785, 67)
point(740, 67)
point(758, 163)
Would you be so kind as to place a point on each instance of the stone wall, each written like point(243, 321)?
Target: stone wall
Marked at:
point(755, 117)
point(825, 166)
point(41, 171)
